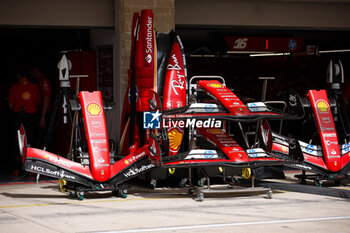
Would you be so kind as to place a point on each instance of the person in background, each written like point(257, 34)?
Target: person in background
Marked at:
point(45, 88)
point(24, 100)
point(45, 91)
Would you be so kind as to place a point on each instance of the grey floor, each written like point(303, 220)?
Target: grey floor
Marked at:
point(30, 207)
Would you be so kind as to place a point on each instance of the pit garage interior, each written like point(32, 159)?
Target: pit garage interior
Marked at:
point(30, 36)
point(38, 32)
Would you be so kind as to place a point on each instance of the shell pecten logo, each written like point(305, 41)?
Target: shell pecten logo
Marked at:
point(215, 85)
point(322, 106)
point(94, 109)
point(175, 139)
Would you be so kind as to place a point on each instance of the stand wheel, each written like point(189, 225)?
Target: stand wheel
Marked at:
point(191, 190)
point(182, 183)
point(269, 194)
point(301, 180)
point(153, 183)
point(337, 182)
point(80, 195)
point(115, 192)
point(318, 183)
point(200, 197)
point(234, 180)
point(72, 193)
point(201, 181)
point(124, 193)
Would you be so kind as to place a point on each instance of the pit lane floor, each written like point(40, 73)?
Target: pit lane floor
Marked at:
point(42, 207)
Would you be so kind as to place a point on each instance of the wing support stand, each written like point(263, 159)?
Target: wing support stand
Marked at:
point(232, 188)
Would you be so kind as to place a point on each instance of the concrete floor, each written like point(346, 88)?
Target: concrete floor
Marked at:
point(42, 207)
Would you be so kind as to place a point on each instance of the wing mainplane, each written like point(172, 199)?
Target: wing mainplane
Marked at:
point(225, 151)
point(223, 104)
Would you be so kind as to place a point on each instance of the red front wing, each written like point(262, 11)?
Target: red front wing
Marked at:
point(99, 168)
point(329, 157)
point(49, 164)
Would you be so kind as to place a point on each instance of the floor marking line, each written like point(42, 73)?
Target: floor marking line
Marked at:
point(228, 224)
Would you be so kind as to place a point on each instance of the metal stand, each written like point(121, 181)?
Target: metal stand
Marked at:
point(263, 99)
point(64, 66)
point(220, 189)
point(63, 96)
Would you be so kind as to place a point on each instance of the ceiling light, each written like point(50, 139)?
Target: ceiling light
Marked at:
point(269, 54)
point(335, 51)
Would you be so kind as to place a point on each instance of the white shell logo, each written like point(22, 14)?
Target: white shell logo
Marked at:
point(148, 58)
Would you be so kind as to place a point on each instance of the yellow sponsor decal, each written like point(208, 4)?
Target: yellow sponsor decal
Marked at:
point(171, 171)
point(215, 131)
point(215, 85)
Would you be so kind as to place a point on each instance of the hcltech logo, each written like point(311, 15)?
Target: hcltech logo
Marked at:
point(151, 120)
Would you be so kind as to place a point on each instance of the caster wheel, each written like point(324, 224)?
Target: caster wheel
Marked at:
point(234, 180)
point(124, 193)
point(115, 192)
point(269, 194)
point(318, 183)
point(80, 195)
point(182, 183)
point(153, 183)
point(200, 197)
point(200, 182)
point(72, 194)
point(301, 181)
point(337, 182)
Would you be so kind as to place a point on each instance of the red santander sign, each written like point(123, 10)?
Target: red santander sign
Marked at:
point(264, 44)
